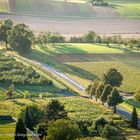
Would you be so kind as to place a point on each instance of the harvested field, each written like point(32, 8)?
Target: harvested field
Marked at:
point(79, 26)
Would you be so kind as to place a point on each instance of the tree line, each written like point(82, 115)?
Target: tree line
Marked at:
point(20, 38)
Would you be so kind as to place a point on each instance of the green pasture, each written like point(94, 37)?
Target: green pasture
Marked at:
point(95, 70)
point(86, 62)
point(78, 108)
point(126, 8)
point(68, 48)
point(7, 130)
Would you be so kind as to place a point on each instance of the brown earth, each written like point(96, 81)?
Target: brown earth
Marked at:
point(78, 26)
point(97, 57)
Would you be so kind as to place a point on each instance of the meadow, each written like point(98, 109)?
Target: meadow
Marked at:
point(78, 108)
point(86, 62)
point(126, 8)
point(7, 130)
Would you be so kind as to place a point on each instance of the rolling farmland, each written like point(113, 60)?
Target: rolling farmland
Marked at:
point(86, 62)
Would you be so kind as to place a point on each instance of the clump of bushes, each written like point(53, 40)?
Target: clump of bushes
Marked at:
point(13, 72)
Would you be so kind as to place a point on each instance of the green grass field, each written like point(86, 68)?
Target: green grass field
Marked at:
point(126, 8)
point(7, 127)
point(78, 108)
point(129, 104)
point(86, 62)
point(7, 130)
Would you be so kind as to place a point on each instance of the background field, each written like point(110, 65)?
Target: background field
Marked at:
point(126, 8)
point(123, 8)
point(86, 62)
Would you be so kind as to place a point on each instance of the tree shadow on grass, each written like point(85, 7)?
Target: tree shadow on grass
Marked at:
point(18, 103)
point(83, 73)
point(5, 120)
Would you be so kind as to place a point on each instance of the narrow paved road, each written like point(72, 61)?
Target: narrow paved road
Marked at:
point(120, 110)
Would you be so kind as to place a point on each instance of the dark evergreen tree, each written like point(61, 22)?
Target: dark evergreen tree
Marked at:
point(28, 122)
point(55, 110)
point(134, 119)
point(20, 131)
point(114, 99)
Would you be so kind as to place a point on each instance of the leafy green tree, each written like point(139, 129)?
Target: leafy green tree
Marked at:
point(91, 89)
point(138, 46)
point(99, 91)
point(55, 110)
point(5, 27)
point(90, 37)
point(137, 94)
point(108, 131)
point(63, 130)
point(10, 92)
point(20, 131)
point(26, 94)
point(36, 114)
point(100, 123)
point(41, 130)
point(114, 99)
point(43, 38)
point(20, 38)
point(113, 77)
point(134, 119)
point(106, 91)
point(56, 38)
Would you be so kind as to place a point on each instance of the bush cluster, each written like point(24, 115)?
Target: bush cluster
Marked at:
point(13, 72)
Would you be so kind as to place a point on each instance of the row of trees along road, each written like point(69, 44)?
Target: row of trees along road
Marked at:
point(106, 90)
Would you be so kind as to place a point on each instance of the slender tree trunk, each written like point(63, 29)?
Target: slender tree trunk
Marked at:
point(114, 109)
point(96, 99)
point(103, 103)
point(91, 96)
point(6, 45)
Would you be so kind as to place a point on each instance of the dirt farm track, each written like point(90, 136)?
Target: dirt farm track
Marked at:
point(78, 26)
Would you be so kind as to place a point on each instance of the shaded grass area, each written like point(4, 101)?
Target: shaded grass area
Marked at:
point(35, 91)
point(129, 104)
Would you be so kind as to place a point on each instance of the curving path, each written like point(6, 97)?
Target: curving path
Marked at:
point(120, 110)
